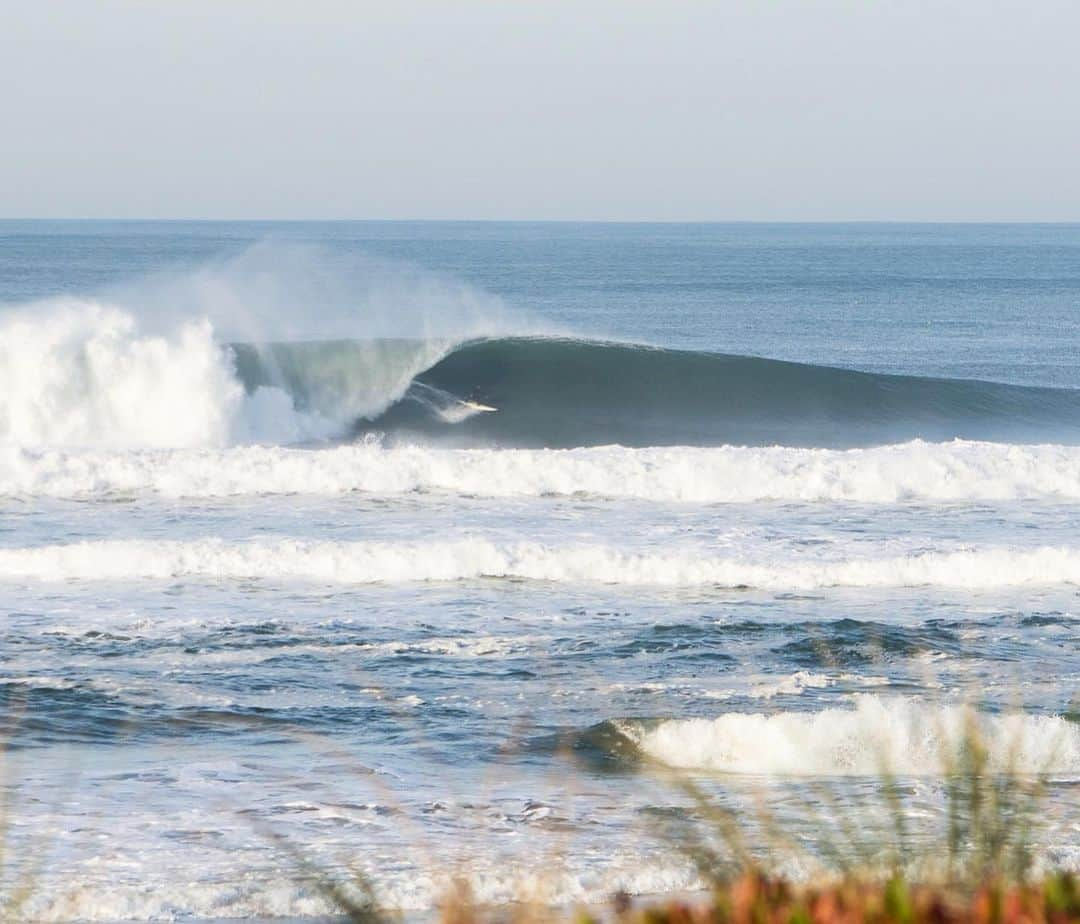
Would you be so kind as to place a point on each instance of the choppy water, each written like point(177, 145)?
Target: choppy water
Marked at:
point(764, 503)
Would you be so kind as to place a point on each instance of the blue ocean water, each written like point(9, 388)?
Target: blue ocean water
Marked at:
point(769, 505)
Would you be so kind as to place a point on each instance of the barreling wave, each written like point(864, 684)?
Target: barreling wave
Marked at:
point(909, 472)
point(78, 373)
point(147, 364)
point(879, 735)
point(553, 393)
point(370, 562)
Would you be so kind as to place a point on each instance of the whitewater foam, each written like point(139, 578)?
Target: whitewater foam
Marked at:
point(416, 888)
point(365, 562)
point(315, 343)
point(79, 373)
point(880, 734)
point(904, 473)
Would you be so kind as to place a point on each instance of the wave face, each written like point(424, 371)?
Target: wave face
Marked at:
point(565, 393)
point(881, 734)
point(84, 374)
point(366, 562)
point(909, 472)
point(338, 380)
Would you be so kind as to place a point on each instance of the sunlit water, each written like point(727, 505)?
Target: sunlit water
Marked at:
point(285, 603)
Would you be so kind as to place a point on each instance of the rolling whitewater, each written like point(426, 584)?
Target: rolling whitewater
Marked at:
point(420, 544)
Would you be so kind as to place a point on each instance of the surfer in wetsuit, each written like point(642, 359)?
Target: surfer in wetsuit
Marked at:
point(476, 400)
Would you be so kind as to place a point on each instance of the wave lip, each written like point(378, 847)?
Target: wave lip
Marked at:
point(879, 735)
point(909, 472)
point(368, 562)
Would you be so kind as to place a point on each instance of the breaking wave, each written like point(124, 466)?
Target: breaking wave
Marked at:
point(85, 374)
point(553, 392)
point(879, 735)
point(195, 358)
point(549, 392)
point(81, 373)
point(365, 562)
point(909, 472)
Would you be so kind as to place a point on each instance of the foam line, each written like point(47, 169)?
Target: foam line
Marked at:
point(908, 472)
point(468, 559)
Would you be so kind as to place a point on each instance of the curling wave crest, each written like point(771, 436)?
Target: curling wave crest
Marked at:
point(278, 344)
point(81, 373)
point(915, 471)
point(364, 562)
point(878, 735)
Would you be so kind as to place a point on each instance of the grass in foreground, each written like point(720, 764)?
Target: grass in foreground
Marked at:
point(757, 899)
point(977, 868)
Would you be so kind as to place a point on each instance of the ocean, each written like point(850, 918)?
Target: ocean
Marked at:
point(408, 550)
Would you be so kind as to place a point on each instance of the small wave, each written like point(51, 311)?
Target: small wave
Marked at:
point(909, 472)
point(879, 735)
point(469, 559)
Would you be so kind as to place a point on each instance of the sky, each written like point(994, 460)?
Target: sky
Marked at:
point(617, 110)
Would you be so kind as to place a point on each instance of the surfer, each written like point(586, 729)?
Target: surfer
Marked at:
point(476, 402)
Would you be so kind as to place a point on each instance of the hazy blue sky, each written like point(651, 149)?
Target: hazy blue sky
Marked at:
point(612, 109)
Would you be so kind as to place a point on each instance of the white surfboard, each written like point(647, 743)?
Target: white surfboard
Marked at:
point(477, 406)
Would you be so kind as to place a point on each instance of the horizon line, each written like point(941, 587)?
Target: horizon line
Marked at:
point(558, 221)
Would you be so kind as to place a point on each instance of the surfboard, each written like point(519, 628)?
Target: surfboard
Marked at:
point(476, 406)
